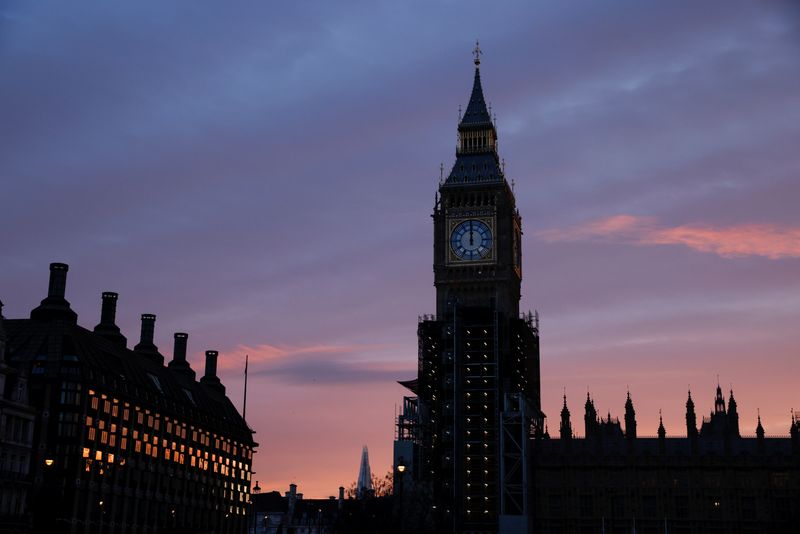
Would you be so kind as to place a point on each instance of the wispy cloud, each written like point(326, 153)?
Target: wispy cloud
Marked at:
point(765, 240)
point(317, 364)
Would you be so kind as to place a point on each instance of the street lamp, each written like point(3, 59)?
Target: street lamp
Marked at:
point(49, 462)
point(256, 490)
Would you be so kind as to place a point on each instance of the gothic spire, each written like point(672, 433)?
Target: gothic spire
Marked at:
point(662, 433)
point(691, 417)
point(719, 400)
point(477, 113)
point(565, 430)
point(759, 428)
point(630, 418)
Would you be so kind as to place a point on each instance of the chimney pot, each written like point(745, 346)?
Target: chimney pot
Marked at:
point(179, 352)
point(108, 313)
point(211, 363)
point(210, 379)
point(148, 329)
point(58, 280)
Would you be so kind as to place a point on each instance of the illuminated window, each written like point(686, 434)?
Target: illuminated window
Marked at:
point(110, 458)
point(138, 447)
point(139, 417)
point(123, 444)
point(148, 448)
point(88, 421)
point(94, 403)
point(112, 441)
point(98, 455)
point(126, 414)
point(86, 452)
point(104, 437)
point(155, 452)
point(106, 406)
point(114, 411)
point(192, 461)
point(167, 454)
point(91, 434)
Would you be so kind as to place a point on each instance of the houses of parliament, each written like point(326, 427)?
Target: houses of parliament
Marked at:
point(472, 450)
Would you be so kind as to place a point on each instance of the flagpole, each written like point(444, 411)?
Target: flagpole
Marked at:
point(244, 404)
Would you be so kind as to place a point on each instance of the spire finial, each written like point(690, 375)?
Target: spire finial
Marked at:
point(476, 53)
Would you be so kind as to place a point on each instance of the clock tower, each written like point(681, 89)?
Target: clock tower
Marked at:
point(478, 365)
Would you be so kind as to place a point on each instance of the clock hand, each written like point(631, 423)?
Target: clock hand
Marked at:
point(470, 233)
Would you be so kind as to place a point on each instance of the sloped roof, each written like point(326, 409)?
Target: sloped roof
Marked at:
point(64, 348)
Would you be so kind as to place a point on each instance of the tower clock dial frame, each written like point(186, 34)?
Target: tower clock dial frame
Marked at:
point(471, 239)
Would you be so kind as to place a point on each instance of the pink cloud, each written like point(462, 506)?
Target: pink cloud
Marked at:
point(765, 240)
point(265, 353)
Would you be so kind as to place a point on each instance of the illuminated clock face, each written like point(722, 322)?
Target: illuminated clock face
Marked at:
point(471, 240)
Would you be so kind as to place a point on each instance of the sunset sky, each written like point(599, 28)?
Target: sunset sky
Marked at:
point(261, 175)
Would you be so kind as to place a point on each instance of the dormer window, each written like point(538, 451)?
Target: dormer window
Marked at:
point(156, 382)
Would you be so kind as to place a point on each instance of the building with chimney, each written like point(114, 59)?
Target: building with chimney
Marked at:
point(123, 443)
point(472, 444)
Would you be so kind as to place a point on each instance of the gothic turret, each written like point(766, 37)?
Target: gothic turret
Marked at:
point(590, 418)
point(719, 401)
point(630, 419)
point(662, 434)
point(691, 418)
point(760, 434)
point(733, 417)
point(565, 431)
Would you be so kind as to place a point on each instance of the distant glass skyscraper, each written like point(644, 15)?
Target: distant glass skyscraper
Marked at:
point(364, 486)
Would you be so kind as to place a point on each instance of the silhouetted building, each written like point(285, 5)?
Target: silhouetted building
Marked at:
point(472, 441)
point(17, 418)
point(478, 369)
point(123, 443)
point(290, 513)
point(714, 481)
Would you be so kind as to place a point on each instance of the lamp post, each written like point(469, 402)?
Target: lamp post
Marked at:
point(256, 490)
point(398, 489)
